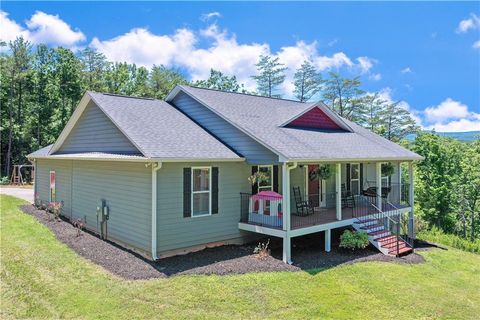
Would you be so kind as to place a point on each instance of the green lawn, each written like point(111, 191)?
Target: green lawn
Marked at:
point(42, 278)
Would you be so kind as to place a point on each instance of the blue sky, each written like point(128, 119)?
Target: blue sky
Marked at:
point(426, 54)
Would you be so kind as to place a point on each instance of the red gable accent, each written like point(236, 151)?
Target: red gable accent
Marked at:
point(314, 118)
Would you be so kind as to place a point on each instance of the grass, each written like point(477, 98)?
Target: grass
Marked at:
point(43, 278)
point(437, 236)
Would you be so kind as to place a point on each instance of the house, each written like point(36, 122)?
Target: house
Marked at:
point(206, 168)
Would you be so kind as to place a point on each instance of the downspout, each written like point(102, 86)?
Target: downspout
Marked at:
point(155, 168)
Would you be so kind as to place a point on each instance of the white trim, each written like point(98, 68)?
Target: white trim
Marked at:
point(338, 190)
point(175, 91)
point(139, 159)
point(261, 230)
point(349, 160)
point(198, 192)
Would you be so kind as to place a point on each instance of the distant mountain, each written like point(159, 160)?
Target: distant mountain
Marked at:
point(461, 136)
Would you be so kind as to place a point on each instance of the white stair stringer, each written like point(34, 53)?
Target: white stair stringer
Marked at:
point(369, 226)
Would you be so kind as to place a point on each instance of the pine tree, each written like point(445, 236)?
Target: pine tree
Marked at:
point(344, 96)
point(219, 81)
point(271, 74)
point(307, 81)
point(397, 121)
point(94, 66)
point(163, 80)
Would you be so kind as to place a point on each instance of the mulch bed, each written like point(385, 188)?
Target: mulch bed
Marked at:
point(308, 253)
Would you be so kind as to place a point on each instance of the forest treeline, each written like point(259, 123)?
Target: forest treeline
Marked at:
point(41, 86)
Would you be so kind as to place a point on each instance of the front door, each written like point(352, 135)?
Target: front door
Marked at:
point(315, 188)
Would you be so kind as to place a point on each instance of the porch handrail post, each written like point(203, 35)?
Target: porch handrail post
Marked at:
point(411, 199)
point(378, 178)
point(338, 187)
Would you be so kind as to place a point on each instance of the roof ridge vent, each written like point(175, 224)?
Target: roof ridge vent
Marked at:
point(125, 96)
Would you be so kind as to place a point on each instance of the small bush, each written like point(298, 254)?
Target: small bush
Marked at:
point(4, 180)
point(353, 240)
point(79, 224)
point(56, 209)
point(437, 236)
point(262, 250)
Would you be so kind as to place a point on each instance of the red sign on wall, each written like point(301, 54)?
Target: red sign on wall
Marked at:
point(52, 186)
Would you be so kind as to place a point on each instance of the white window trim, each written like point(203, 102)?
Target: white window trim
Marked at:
point(196, 192)
point(50, 185)
point(270, 168)
point(357, 180)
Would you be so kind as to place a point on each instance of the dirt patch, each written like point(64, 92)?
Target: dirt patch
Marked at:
point(308, 254)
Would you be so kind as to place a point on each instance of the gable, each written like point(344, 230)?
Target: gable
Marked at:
point(314, 119)
point(95, 132)
point(241, 143)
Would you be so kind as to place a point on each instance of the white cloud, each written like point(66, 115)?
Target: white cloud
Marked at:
point(375, 77)
point(451, 115)
point(41, 28)
point(208, 16)
point(365, 63)
point(446, 110)
point(332, 43)
point(476, 44)
point(220, 50)
point(406, 70)
point(386, 94)
point(10, 29)
point(469, 24)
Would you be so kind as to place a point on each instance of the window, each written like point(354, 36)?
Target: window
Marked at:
point(266, 185)
point(53, 192)
point(355, 178)
point(201, 195)
point(385, 181)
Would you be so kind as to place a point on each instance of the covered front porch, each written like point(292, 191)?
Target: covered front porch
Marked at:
point(305, 204)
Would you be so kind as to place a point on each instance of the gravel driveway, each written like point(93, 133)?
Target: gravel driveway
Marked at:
point(22, 193)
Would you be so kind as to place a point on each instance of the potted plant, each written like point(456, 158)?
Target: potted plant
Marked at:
point(258, 177)
point(322, 173)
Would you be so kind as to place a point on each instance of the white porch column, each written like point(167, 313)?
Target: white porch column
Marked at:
point(286, 196)
point(338, 187)
point(399, 182)
point(411, 200)
point(378, 178)
point(287, 249)
point(328, 240)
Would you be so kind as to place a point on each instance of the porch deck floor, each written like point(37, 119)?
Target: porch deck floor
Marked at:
point(320, 216)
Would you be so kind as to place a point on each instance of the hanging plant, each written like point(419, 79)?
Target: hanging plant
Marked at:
point(258, 177)
point(322, 173)
point(387, 169)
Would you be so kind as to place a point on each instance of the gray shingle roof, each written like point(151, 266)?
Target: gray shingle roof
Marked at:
point(160, 130)
point(262, 118)
point(44, 152)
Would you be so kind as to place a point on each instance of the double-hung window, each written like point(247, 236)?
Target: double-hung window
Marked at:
point(201, 191)
point(266, 184)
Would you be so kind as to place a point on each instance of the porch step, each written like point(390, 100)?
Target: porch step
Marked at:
point(379, 234)
point(400, 252)
point(373, 227)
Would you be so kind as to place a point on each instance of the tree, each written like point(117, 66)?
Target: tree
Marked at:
point(344, 96)
point(396, 121)
point(307, 81)
point(436, 179)
point(68, 76)
point(271, 74)
point(163, 80)
point(94, 67)
point(373, 108)
point(219, 81)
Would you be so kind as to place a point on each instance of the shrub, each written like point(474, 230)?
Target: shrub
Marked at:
point(4, 180)
point(56, 209)
point(262, 249)
point(353, 240)
point(437, 236)
point(79, 224)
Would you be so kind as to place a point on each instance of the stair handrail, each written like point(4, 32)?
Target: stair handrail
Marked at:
point(396, 225)
point(406, 239)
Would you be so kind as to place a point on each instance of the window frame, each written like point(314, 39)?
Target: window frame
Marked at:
point(357, 180)
point(192, 192)
point(270, 168)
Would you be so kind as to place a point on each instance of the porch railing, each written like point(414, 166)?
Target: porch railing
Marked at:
point(396, 193)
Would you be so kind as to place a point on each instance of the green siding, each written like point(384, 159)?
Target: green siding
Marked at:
point(126, 187)
point(177, 232)
point(95, 132)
